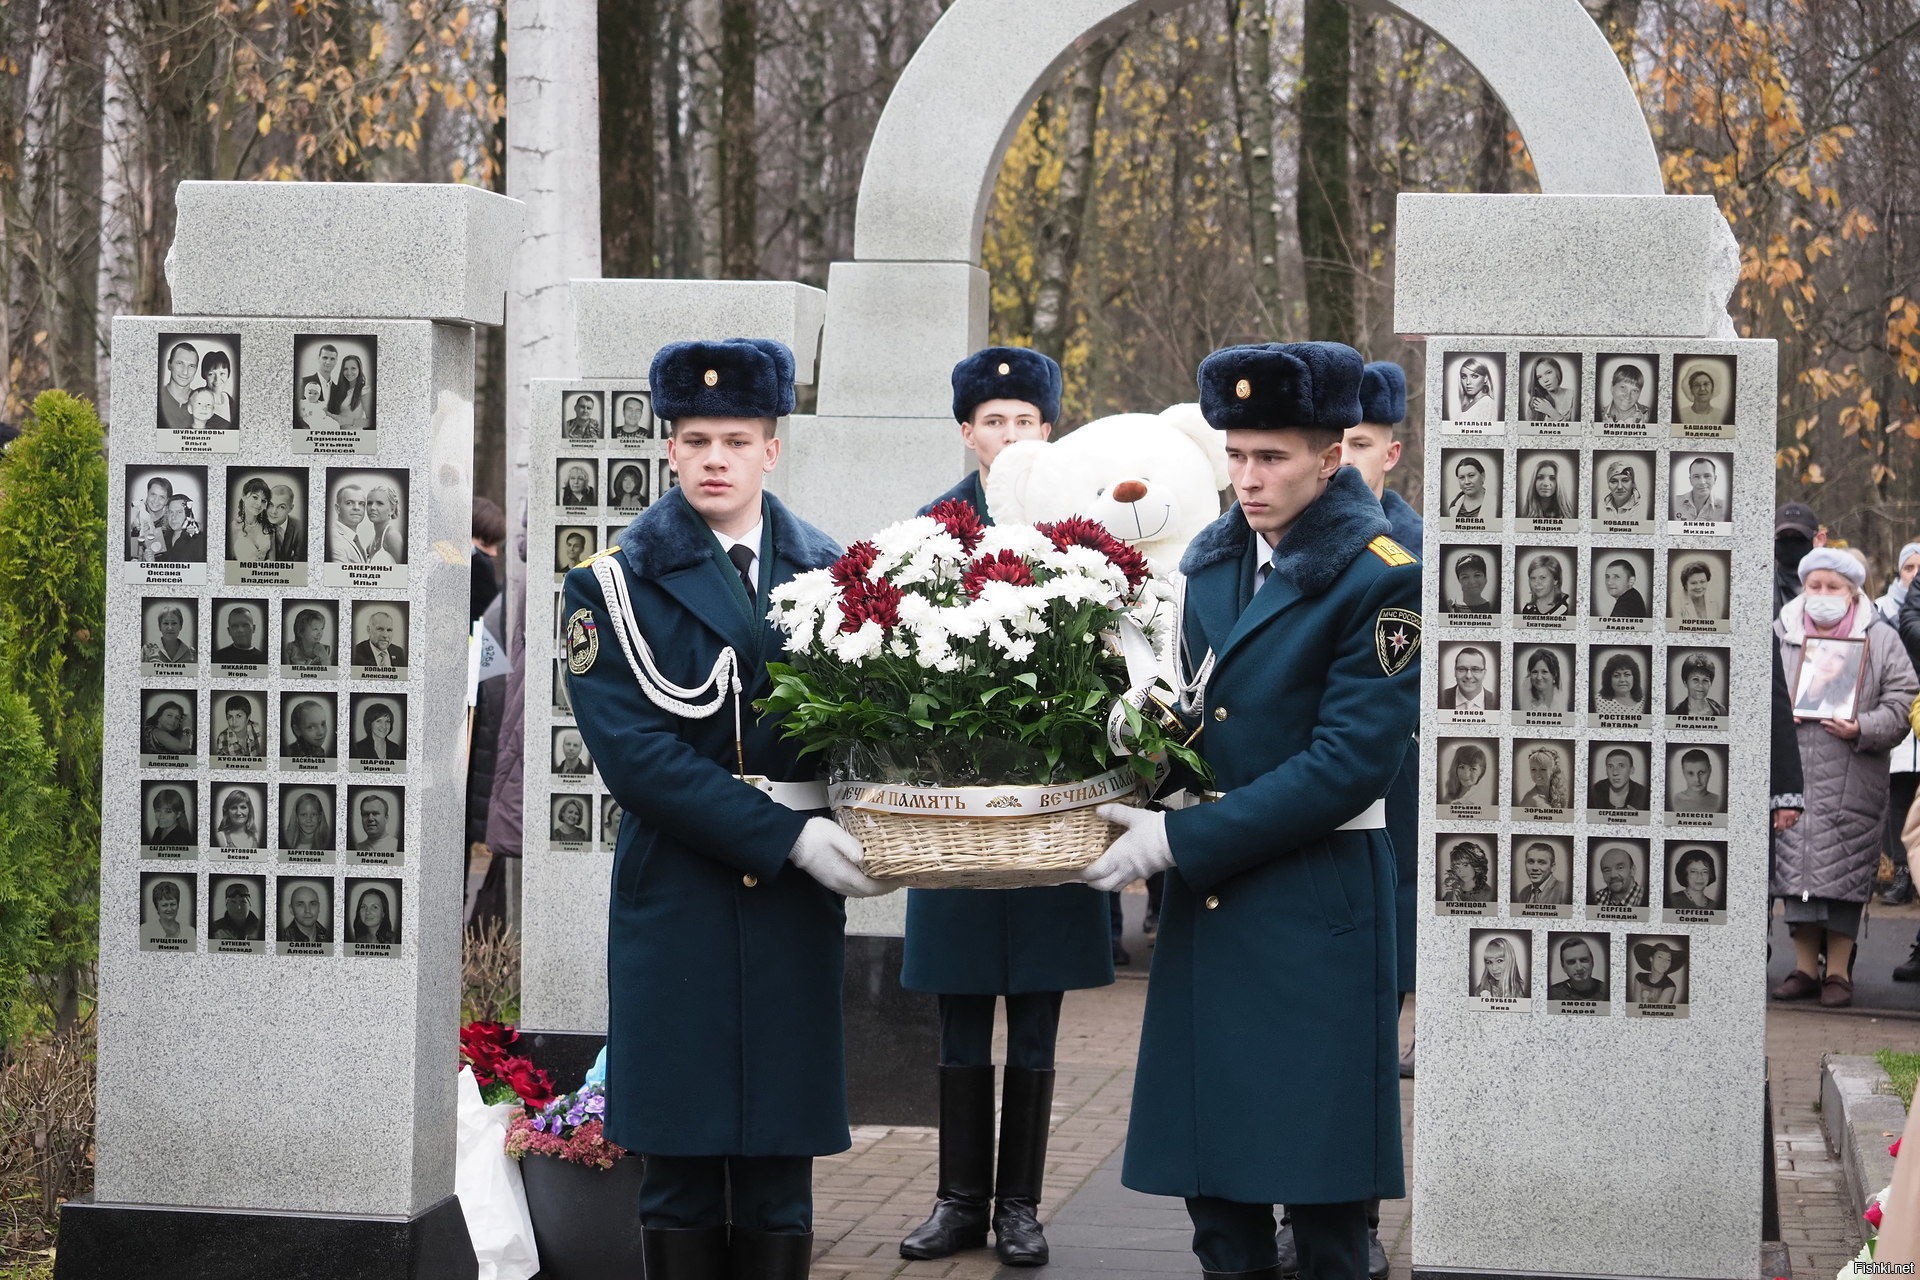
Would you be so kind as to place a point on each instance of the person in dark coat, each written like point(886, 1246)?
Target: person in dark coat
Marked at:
point(1024, 946)
point(725, 941)
point(1268, 1069)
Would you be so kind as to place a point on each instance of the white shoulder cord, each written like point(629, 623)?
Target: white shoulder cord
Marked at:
point(721, 683)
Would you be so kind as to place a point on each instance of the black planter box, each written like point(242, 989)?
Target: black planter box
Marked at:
point(584, 1220)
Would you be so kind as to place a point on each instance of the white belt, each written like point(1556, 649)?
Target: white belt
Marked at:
point(801, 797)
point(1372, 818)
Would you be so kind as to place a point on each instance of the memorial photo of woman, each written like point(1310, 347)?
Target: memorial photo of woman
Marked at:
point(1623, 390)
point(1473, 387)
point(239, 736)
point(569, 821)
point(307, 628)
point(1501, 970)
point(1540, 680)
point(352, 406)
point(1659, 969)
point(1466, 871)
point(169, 628)
point(373, 912)
point(1619, 686)
point(629, 485)
point(198, 362)
point(576, 488)
point(1467, 774)
point(1542, 588)
point(334, 382)
point(583, 416)
point(1543, 775)
point(238, 812)
point(163, 523)
point(1700, 674)
point(1703, 390)
point(1624, 492)
point(306, 819)
point(169, 814)
point(166, 910)
point(1471, 497)
point(1693, 878)
point(379, 734)
point(166, 729)
point(1552, 388)
point(1547, 483)
point(1697, 586)
point(1827, 684)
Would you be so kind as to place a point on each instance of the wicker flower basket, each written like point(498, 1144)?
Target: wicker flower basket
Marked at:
point(989, 837)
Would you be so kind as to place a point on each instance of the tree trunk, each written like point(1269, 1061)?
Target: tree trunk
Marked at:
point(35, 180)
point(682, 230)
point(1372, 323)
point(815, 56)
point(1059, 249)
point(121, 161)
point(739, 67)
point(1252, 27)
point(703, 128)
point(628, 31)
point(1492, 169)
point(1325, 207)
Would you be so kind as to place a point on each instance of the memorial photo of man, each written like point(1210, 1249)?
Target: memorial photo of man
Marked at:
point(382, 628)
point(570, 758)
point(631, 421)
point(1701, 488)
point(572, 546)
point(369, 516)
point(309, 727)
point(1580, 960)
point(239, 921)
point(170, 815)
point(199, 377)
point(1690, 787)
point(306, 915)
point(1615, 879)
point(1616, 787)
point(1539, 878)
point(1470, 690)
point(180, 375)
point(334, 378)
point(1618, 595)
point(1471, 571)
point(375, 822)
point(583, 423)
point(245, 627)
point(252, 535)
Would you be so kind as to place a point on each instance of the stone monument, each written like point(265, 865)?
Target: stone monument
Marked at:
point(288, 543)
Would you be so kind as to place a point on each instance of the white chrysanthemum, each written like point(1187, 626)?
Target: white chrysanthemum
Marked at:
point(1021, 539)
point(859, 645)
point(1020, 650)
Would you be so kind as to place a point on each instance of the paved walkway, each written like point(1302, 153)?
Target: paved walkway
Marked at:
point(871, 1196)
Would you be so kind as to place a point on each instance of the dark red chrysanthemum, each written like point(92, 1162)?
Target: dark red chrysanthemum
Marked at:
point(863, 602)
point(1007, 566)
point(1078, 531)
point(961, 520)
point(854, 564)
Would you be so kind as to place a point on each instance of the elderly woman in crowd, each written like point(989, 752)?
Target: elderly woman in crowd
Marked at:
point(1824, 866)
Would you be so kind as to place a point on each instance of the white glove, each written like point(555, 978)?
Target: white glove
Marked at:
point(832, 857)
point(1138, 852)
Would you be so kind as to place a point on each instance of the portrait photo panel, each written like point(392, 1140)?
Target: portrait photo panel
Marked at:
point(309, 832)
point(1500, 968)
point(1659, 977)
point(1616, 878)
point(1475, 388)
point(1624, 487)
point(609, 823)
point(1697, 784)
point(304, 916)
point(1699, 492)
point(1540, 875)
point(380, 638)
point(1549, 387)
point(1543, 781)
point(169, 728)
point(373, 919)
point(169, 635)
point(1696, 881)
point(239, 637)
point(266, 527)
point(166, 538)
point(198, 397)
point(629, 486)
point(310, 636)
point(1620, 684)
point(237, 822)
point(236, 922)
point(569, 757)
point(368, 519)
point(1469, 777)
point(378, 732)
point(573, 543)
point(1618, 774)
point(1579, 972)
point(1624, 391)
point(1470, 580)
point(239, 728)
point(376, 825)
point(336, 380)
point(633, 420)
point(309, 725)
point(1470, 680)
point(576, 484)
point(1465, 874)
point(1545, 586)
point(570, 822)
point(583, 416)
point(1697, 686)
point(169, 817)
point(1543, 681)
point(1827, 678)
point(1546, 489)
point(1697, 583)
point(1704, 392)
point(167, 915)
point(1619, 582)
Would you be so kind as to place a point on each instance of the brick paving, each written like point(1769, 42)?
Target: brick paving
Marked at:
point(869, 1197)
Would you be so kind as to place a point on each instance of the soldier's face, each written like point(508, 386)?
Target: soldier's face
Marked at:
point(1372, 451)
point(997, 424)
point(1277, 475)
point(723, 464)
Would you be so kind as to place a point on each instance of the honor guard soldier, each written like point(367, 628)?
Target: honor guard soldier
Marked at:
point(1268, 1067)
point(1027, 946)
point(725, 1055)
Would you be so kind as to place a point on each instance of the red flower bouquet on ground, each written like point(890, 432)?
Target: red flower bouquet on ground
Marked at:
point(503, 1076)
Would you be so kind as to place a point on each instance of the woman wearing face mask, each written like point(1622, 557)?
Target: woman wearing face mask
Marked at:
point(1904, 780)
point(1824, 866)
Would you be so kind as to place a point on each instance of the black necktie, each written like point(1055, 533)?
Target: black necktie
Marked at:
point(1261, 575)
point(742, 556)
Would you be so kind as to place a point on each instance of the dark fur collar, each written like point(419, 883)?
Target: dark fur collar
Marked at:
point(1316, 550)
point(669, 536)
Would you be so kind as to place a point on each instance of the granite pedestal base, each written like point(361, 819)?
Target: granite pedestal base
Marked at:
point(100, 1242)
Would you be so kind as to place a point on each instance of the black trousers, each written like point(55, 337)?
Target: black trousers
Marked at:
point(1332, 1238)
point(966, 1030)
point(753, 1193)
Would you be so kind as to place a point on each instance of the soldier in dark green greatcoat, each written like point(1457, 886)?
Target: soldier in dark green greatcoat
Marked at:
point(1268, 1063)
point(1027, 946)
point(725, 947)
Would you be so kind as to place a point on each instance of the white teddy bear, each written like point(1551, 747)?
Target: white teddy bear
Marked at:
point(1154, 480)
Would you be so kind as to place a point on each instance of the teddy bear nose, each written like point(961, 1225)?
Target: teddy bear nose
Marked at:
point(1129, 491)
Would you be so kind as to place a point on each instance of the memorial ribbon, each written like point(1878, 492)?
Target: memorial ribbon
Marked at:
point(983, 802)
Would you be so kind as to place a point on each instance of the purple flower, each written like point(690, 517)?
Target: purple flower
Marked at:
point(597, 1104)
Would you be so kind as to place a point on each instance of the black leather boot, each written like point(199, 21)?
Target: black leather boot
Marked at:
point(770, 1255)
point(960, 1210)
point(1900, 892)
point(1026, 1115)
point(1376, 1252)
point(692, 1253)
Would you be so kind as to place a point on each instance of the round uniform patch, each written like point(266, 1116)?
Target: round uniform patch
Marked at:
point(583, 642)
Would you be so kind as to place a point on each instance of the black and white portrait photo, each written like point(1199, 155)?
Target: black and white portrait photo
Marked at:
point(1697, 688)
point(1616, 878)
point(307, 830)
point(234, 919)
point(562, 695)
point(1623, 491)
point(1546, 489)
point(576, 485)
point(166, 911)
point(335, 380)
point(1657, 975)
point(1703, 394)
point(1623, 390)
point(1617, 789)
point(632, 418)
point(571, 545)
point(1697, 590)
point(1469, 780)
point(1469, 580)
point(1500, 968)
point(1549, 387)
point(570, 822)
point(1544, 586)
point(376, 825)
point(367, 523)
point(379, 639)
point(198, 408)
point(169, 635)
point(1542, 773)
point(1469, 682)
point(266, 527)
point(1540, 879)
point(1578, 972)
point(1543, 684)
point(239, 636)
point(1696, 785)
point(310, 636)
point(372, 926)
point(1826, 681)
point(1618, 582)
point(1620, 685)
point(570, 758)
point(1696, 881)
point(239, 728)
point(1463, 875)
point(309, 721)
point(169, 731)
point(168, 812)
point(609, 823)
point(378, 733)
point(166, 538)
point(237, 821)
point(583, 419)
point(1700, 493)
point(1475, 388)
point(629, 486)
point(1470, 488)
point(303, 921)
point(664, 479)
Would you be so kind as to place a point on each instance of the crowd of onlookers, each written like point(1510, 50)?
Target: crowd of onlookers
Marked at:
point(1845, 759)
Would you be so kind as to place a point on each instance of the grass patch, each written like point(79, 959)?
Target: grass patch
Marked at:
point(1904, 1069)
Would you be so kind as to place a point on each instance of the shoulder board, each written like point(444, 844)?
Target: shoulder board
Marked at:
point(1392, 552)
point(601, 554)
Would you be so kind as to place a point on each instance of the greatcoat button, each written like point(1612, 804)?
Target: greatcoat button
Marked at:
point(1219, 713)
point(749, 880)
point(1213, 902)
